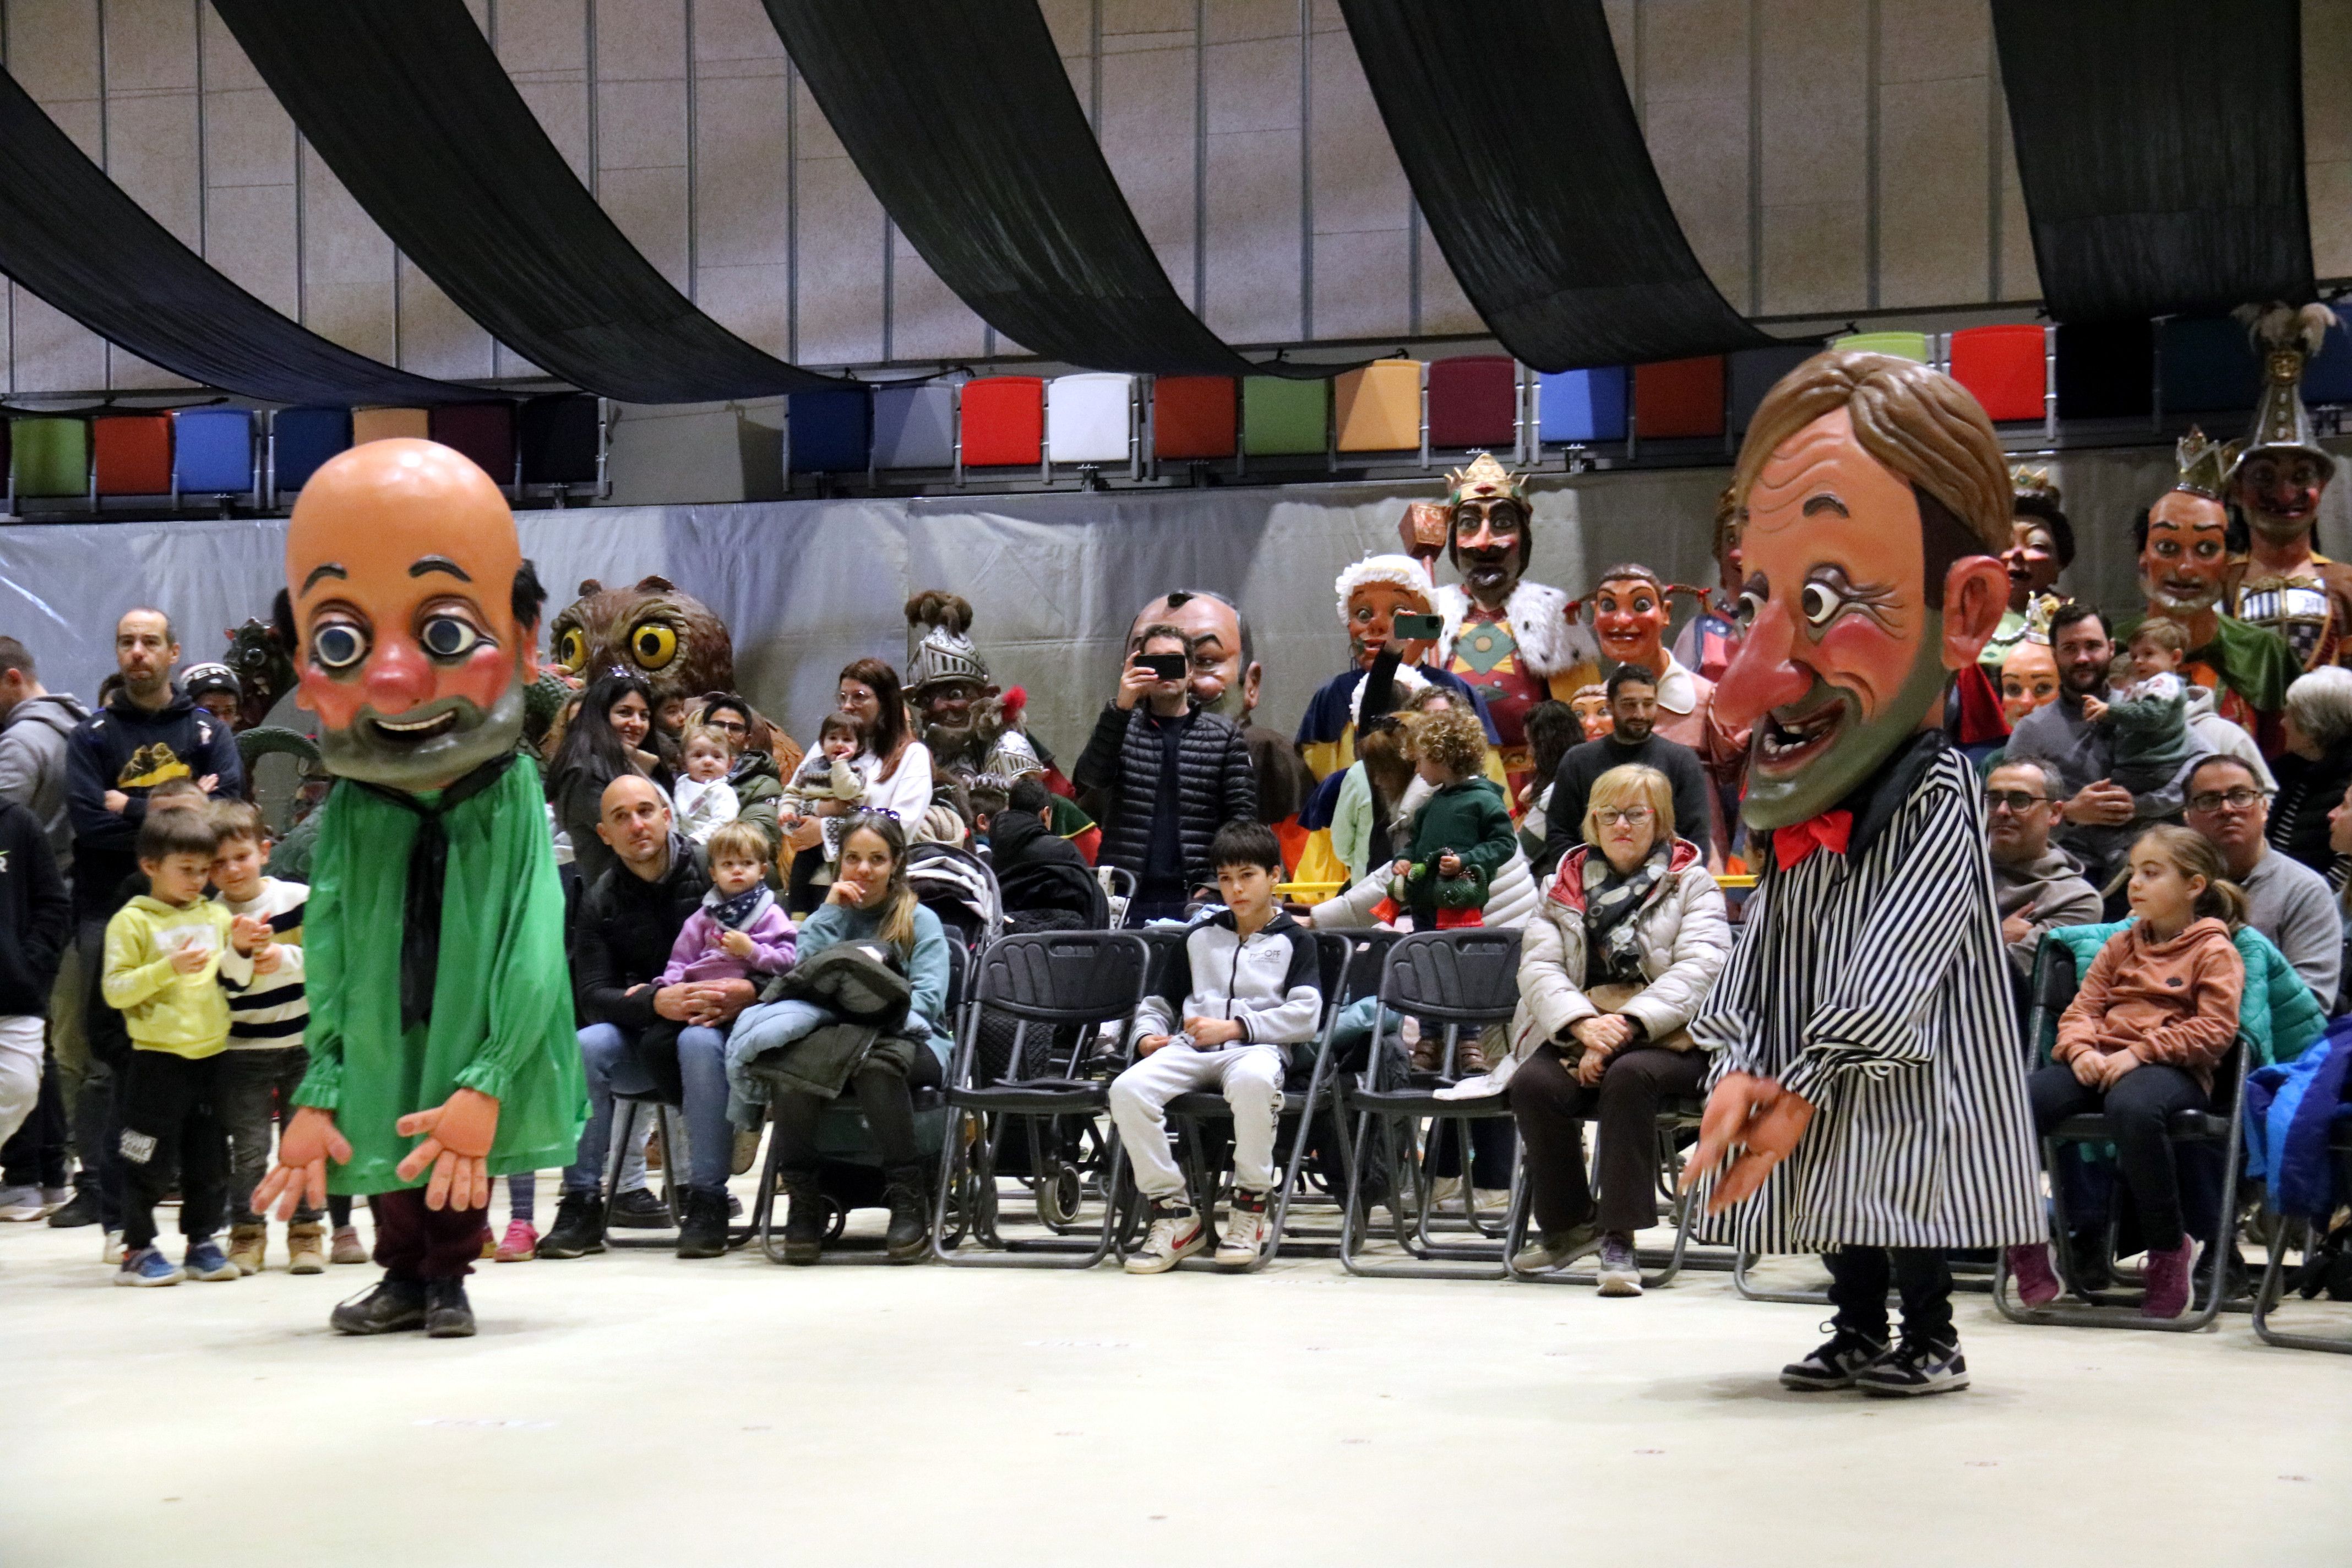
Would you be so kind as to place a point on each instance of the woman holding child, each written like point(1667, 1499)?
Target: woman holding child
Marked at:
point(1631, 935)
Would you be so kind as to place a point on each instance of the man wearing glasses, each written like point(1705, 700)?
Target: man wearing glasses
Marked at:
point(2036, 886)
point(2287, 901)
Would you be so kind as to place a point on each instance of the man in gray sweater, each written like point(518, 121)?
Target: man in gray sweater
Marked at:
point(34, 724)
point(2286, 901)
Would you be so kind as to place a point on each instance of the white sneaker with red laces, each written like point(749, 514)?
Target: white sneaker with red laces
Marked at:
point(1176, 1235)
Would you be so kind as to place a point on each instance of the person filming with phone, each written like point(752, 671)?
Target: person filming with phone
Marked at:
point(1161, 776)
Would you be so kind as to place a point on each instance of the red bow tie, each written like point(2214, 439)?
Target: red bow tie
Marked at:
point(1830, 830)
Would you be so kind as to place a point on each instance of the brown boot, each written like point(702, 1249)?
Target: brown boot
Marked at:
point(306, 1247)
point(246, 1242)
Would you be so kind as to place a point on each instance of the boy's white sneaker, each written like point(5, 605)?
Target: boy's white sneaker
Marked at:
point(1176, 1233)
point(1246, 1231)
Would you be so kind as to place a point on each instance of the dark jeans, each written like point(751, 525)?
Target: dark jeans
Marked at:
point(1551, 1106)
point(35, 1156)
point(1858, 1279)
point(256, 1092)
point(414, 1244)
point(610, 1058)
point(2138, 1106)
point(170, 1121)
point(888, 1100)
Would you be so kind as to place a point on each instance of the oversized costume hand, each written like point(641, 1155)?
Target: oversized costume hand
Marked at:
point(457, 1136)
point(300, 1177)
point(1754, 1116)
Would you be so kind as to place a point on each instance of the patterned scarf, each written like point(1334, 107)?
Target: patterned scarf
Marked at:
point(1612, 945)
point(738, 912)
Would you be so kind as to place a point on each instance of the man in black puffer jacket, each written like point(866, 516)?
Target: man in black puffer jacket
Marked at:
point(1161, 776)
point(1045, 881)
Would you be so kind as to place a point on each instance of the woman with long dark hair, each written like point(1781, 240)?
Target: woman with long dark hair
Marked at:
point(605, 740)
point(896, 766)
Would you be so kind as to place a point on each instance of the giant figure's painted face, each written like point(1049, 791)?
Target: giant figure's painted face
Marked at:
point(2031, 560)
point(2279, 488)
point(400, 568)
point(2187, 556)
point(1629, 616)
point(2028, 679)
point(1490, 546)
point(1842, 660)
point(1373, 610)
point(666, 637)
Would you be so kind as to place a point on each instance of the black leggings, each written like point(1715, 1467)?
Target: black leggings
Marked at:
point(887, 1099)
point(2140, 1104)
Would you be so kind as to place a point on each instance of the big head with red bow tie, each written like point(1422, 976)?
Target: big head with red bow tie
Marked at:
point(1877, 503)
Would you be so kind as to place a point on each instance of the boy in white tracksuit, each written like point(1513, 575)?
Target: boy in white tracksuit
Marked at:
point(1244, 986)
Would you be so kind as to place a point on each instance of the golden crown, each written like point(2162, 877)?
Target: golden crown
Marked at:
point(1485, 480)
point(2204, 465)
point(2032, 482)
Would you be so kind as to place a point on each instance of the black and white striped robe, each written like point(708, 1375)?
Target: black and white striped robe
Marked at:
point(1874, 983)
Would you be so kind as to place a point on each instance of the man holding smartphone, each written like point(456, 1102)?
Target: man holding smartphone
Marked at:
point(1161, 776)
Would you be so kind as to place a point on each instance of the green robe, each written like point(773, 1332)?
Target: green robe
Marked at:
point(2252, 661)
point(501, 1020)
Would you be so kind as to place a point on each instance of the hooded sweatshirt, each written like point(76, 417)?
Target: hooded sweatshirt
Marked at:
point(184, 1015)
point(33, 764)
point(2173, 1002)
point(125, 747)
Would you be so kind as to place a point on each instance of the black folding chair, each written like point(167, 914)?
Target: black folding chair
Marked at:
point(664, 1125)
point(2273, 1286)
point(2217, 1125)
point(1053, 980)
point(844, 1185)
point(1465, 979)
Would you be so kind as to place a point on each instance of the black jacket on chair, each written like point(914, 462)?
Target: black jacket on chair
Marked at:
point(1120, 768)
point(1046, 883)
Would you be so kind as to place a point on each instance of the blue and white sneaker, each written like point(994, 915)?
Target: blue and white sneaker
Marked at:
point(206, 1260)
point(148, 1266)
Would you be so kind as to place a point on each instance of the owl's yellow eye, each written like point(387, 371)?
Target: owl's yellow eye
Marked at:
point(653, 645)
point(571, 649)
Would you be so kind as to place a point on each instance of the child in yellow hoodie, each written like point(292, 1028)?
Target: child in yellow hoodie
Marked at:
point(169, 952)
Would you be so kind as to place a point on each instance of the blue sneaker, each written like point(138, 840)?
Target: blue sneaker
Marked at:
point(206, 1260)
point(148, 1266)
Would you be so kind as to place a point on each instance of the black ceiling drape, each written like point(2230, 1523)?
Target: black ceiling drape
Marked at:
point(1519, 140)
point(78, 240)
point(2160, 145)
point(961, 116)
point(409, 106)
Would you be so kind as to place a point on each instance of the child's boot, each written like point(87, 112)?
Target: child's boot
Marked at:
point(246, 1242)
point(306, 1247)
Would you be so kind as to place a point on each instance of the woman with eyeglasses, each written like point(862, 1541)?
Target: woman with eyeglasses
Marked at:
point(1631, 935)
point(2313, 771)
point(753, 773)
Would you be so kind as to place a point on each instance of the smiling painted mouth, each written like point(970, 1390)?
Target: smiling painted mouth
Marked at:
point(420, 730)
point(1783, 743)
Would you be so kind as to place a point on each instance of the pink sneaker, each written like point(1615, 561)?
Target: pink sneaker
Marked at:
point(521, 1244)
point(2037, 1286)
point(2167, 1281)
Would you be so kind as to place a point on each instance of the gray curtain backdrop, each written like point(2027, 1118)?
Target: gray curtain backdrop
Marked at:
point(1055, 580)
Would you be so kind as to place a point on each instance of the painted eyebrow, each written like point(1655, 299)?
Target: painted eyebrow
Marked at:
point(1825, 503)
point(324, 569)
point(425, 563)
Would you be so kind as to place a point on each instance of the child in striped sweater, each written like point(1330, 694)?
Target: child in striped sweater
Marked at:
point(265, 1059)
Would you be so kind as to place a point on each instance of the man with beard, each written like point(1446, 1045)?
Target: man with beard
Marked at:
point(958, 712)
point(2184, 567)
point(2280, 583)
point(415, 618)
point(1869, 1092)
point(2076, 753)
point(1633, 738)
point(1226, 680)
point(1512, 640)
point(2042, 545)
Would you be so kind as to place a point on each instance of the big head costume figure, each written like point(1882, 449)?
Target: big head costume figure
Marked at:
point(1630, 609)
point(443, 1054)
point(2283, 585)
point(1372, 593)
point(969, 724)
point(1870, 1089)
point(2041, 546)
point(2183, 540)
point(1511, 639)
point(654, 630)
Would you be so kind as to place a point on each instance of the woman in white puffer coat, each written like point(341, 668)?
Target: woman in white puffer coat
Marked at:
point(1626, 944)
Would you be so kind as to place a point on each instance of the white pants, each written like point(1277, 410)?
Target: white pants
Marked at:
point(20, 1072)
point(1251, 1080)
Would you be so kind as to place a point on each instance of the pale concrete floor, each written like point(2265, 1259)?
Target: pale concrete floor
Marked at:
point(631, 1409)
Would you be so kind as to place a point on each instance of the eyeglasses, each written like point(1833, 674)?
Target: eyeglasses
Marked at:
point(1631, 815)
point(2238, 799)
point(732, 726)
point(2014, 801)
